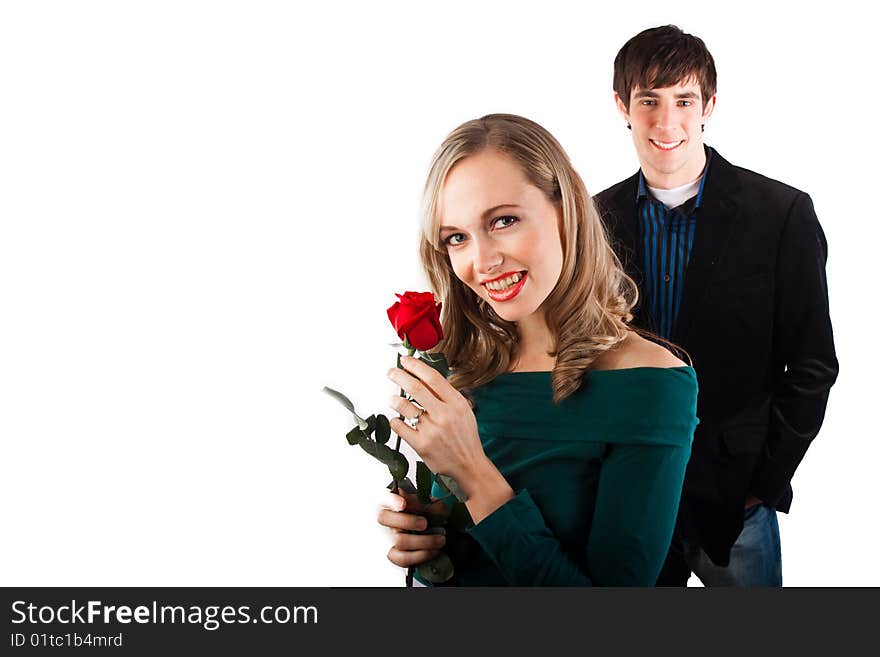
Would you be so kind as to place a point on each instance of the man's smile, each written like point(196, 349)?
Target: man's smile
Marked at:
point(667, 145)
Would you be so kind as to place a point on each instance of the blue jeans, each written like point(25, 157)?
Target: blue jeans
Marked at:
point(755, 559)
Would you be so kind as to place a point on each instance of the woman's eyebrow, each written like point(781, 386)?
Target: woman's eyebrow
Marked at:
point(485, 214)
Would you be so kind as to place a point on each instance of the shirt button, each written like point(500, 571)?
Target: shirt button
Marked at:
point(666, 278)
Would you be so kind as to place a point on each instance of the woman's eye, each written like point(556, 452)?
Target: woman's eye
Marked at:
point(452, 240)
point(505, 221)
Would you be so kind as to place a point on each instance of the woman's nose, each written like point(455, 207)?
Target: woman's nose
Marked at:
point(487, 257)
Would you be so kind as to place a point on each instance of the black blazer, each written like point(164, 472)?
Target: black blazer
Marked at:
point(754, 319)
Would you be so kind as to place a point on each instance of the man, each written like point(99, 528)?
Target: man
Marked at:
point(731, 267)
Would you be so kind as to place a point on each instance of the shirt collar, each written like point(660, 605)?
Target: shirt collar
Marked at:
point(643, 186)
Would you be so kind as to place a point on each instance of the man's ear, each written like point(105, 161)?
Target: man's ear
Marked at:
point(621, 107)
point(708, 108)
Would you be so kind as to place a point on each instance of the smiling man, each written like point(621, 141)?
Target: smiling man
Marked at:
point(731, 267)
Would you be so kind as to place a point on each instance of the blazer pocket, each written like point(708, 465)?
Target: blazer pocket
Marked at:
point(741, 448)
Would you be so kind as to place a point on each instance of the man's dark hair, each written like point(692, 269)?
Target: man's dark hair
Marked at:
point(662, 57)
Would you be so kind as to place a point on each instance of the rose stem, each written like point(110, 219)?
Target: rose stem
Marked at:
point(410, 350)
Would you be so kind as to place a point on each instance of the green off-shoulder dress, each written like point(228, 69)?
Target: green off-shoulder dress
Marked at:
point(597, 478)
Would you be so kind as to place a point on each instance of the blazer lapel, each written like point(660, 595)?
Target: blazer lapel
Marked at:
point(717, 220)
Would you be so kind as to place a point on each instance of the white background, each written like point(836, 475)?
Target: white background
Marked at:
point(206, 207)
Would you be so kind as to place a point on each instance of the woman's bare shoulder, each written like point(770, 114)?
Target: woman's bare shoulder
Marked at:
point(636, 351)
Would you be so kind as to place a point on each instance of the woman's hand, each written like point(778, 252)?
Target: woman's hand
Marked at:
point(445, 436)
point(404, 513)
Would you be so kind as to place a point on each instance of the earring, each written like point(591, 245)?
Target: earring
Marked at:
point(703, 127)
point(628, 126)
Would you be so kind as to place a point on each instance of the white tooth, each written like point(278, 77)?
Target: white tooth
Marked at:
point(504, 283)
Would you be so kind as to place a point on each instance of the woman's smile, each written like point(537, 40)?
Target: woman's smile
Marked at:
point(506, 287)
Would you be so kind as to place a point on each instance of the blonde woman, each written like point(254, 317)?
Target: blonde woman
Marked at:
point(568, 433)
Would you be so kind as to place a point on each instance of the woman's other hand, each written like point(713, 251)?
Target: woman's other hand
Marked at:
point(403, 513)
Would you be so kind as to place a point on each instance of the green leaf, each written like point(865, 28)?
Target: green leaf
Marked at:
point(387, 455)
point(370, 447)
point(399, 467)
point(355, 436)
point(346, 402)
point(449, 485)
point(397, 464)
point(382, 453)
point(436, 360)
point(383, 429)
point(437, 570)
point(424, 477)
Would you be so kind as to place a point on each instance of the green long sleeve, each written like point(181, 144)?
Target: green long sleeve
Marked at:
point(636, 504)
point(598, 478)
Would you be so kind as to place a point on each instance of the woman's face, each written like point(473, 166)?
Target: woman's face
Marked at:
point(501, 234)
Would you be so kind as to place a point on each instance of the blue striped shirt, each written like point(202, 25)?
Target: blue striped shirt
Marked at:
point(668, 238)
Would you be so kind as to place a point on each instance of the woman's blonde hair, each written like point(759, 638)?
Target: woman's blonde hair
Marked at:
point(589, 308)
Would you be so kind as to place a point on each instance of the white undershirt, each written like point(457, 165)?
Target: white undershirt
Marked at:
point(672, 198)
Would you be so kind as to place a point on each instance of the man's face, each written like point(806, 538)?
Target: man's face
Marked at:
point(667, 131)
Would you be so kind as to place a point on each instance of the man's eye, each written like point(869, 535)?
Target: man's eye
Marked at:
point(505, 221)
point(686, 103)
point(453, 239)
point(648, 101)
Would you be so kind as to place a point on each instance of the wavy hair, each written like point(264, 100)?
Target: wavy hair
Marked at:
point(587, 311)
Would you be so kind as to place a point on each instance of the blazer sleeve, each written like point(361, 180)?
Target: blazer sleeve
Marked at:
point(636, 505)
point(804, 342)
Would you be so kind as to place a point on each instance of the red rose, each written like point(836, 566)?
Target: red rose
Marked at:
point(416, 318)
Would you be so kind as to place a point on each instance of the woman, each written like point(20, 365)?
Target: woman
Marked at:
point(572, 442)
